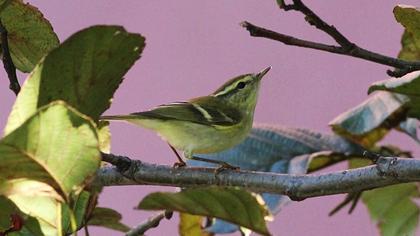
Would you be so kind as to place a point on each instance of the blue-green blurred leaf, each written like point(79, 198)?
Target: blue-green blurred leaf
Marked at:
point(410, 127)
point(370, 121)
point(277, 149)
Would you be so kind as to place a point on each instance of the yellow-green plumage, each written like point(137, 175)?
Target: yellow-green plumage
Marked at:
point(206, 124)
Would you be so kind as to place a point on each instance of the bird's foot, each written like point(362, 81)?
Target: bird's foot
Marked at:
point(180, 164)
point(226, 166)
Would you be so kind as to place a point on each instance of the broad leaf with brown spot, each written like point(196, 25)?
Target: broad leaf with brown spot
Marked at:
point(30, 35)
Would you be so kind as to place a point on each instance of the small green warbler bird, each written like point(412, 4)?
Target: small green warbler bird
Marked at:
point(206, 124)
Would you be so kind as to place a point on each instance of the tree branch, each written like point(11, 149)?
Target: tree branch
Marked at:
point(387, 171)
point(7, 61)
point(152, 222)
point(346, 46)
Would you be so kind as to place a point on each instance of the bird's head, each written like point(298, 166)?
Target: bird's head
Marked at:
point(241, 91)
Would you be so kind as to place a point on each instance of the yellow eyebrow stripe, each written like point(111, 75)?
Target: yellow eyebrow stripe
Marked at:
point(232, 86)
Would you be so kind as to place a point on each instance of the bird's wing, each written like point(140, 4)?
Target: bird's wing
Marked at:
point(205, 110)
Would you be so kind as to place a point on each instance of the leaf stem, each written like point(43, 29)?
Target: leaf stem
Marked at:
point(152, 222)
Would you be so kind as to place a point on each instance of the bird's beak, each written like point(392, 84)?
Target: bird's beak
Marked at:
point(263, 72)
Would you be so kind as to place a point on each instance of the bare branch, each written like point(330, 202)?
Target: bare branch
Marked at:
point(346, 47)
point(152, 222)
point(7, 61)
point(387, 171)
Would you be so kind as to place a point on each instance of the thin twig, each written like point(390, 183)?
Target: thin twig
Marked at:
point(387, 171)
point(152, 222)
point(7, 61)
point(346, 47)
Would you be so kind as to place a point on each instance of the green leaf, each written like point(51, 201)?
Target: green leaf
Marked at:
point(80, 204)
point(393, 209)
point(409, 17)
point(231, 204)
point(408, 85)
point(191, 225)
point(57, 146)
point(30, 35)
point(107, 218)
point(84, 71)
point(371, 120)
point(410, 47)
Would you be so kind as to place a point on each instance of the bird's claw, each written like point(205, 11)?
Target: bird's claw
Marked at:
point(226, 166)
point(180, 164)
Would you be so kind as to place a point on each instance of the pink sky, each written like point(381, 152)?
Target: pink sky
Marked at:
point(194, 46)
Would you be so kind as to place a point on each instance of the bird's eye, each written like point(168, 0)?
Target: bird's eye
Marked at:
point(240, 85)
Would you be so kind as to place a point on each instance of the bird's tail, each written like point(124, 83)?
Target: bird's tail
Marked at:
point(143, 119)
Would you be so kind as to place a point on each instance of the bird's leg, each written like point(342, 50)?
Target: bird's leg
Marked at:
point(180, 162)
point(223, 165)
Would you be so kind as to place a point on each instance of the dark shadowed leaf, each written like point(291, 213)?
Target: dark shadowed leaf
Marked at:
point(30, 35)
point(84, 71)
point(371, 120)
point(57, 146)
point(408, 85)
point(108, 218)
point(277, 149)
point(393, 209)
point(232, 204)
point(191, 225)
point(280, 2)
